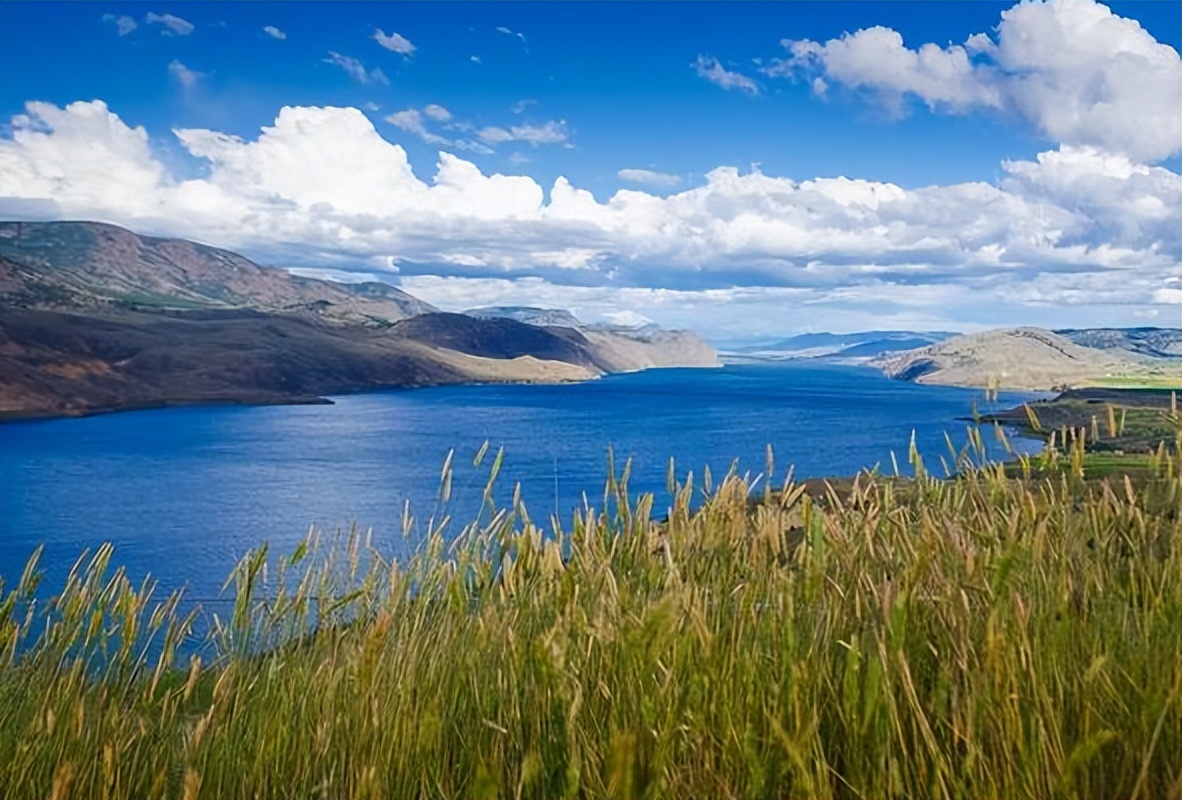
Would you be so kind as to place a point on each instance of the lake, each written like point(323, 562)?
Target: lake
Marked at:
point(184, 492)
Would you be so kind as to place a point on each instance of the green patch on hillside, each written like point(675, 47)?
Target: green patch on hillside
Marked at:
point(1169, 377)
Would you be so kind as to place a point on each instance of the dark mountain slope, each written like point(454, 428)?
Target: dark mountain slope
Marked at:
point(496, 337)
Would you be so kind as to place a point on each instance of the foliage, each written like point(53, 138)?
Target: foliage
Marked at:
point(982, 636)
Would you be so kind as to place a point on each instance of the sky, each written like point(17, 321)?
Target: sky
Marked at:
point(745, 170)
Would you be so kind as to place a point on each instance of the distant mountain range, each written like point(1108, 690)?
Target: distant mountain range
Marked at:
point(94, 317)
point(1022, 358)
point(862, 345)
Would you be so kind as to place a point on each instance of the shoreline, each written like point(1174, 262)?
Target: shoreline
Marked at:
point(261, 400)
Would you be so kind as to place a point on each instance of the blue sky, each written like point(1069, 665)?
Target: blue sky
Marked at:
point(642, 97)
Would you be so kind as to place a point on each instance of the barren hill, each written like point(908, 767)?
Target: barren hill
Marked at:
point(1022, 358)
point(91, 266)
point(94, 317)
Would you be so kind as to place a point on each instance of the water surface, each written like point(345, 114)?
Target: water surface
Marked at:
point(184, 492)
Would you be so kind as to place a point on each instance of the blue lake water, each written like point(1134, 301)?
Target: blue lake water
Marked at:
point(183, 493)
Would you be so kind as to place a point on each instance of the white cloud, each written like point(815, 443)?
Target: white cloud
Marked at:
point(186, 77)
point(1076, 233)
point(357, 70)
point(1076, 72)
point(417, 121)
point(274, 32)
point(550, 132)
point(709, 68)
point(649, 177)
point(411, 121)
point(474, 59)
point(627, 318)
point(393, 41)
point(517, 34)
point(123, 24)
point(169, 24)
point(521, 106)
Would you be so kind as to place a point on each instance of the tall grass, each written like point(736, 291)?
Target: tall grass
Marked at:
point(980, 637)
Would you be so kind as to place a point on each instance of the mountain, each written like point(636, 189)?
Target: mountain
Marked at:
point(613, 348)
point(1154, 342)
point(1024, 358)
point(89, 266)
point(835, 346)
point(94, 318)
point(54, 364)
point(546, 317)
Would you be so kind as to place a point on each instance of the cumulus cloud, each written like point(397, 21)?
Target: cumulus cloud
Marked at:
point(274, 32)
point(1076, 72)
point(393, 41)
point(649, 177)
point(708, 67)
point(170, 25)
point(357, 70)
point(1077, 228)
point(123, 24)
point(186, 77)
point(550, 132)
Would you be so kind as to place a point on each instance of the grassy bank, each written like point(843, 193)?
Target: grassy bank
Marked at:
point(981, 637)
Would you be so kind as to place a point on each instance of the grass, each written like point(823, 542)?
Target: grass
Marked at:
point(976, 637)
point(1167, 377)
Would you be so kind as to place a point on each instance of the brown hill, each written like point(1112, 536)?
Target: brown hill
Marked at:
point(94, 317)
point(1023, 358)
point(54, 364)
point(91, 266)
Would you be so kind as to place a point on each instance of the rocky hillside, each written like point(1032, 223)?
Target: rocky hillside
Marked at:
point(1153, 342)
point(55, 364)
point(613, 348)
point(1024, 358)
point(90, 266)
point(95, 318)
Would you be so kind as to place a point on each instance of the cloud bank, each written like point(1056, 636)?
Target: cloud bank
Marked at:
point(322, 187)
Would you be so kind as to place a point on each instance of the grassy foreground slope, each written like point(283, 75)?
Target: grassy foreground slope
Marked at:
point(979, 637)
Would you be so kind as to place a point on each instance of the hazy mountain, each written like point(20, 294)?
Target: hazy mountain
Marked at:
point(614, 348)
point(837, 346)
